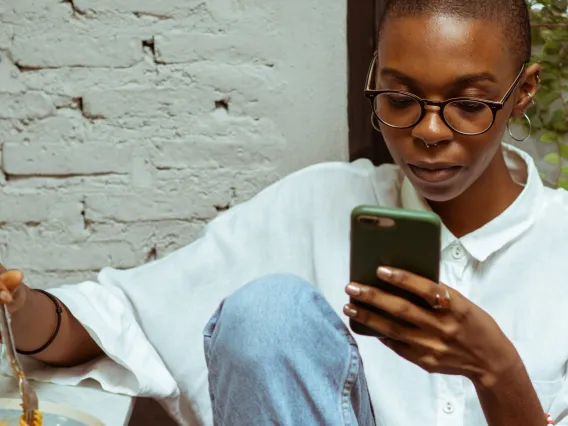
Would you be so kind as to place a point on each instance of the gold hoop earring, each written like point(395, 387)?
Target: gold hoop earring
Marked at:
point(530, 129)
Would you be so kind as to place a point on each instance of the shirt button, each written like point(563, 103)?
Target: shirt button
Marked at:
point(458, 252)
point(449, 408)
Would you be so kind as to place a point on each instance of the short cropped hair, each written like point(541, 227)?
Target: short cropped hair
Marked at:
point(511, 16)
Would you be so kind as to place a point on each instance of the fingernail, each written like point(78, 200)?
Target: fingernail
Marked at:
point(350, 312)
point(353, 290)
point(384, 272)
point(5, 297)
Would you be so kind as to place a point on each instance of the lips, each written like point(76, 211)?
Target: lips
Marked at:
point(435, 172)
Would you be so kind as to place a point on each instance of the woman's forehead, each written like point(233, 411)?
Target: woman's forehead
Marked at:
point(442, 48)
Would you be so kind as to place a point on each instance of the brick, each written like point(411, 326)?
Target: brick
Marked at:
point(67, 49)
point(6, 34)
point(253, 91)
point(70, 126)
point(9, 74)
point(183, 127)
point(29, 105)
point(151, 239)
point(44, 255)
point(60, 160)
point(151, 205)
point(72, 184)
point(8, 7)
point(179, 47)
point(233, 185)
point(149, 102)
point(64, 226)
point(75, 81)
point(65, 126)
point(211, 153)
point(151, 7)
point(34, 207)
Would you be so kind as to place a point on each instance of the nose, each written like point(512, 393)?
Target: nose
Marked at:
point(431, 129)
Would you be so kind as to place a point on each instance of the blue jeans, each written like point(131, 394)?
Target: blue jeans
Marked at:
point(278, 354)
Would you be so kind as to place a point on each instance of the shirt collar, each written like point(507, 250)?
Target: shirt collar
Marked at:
point(510, 224)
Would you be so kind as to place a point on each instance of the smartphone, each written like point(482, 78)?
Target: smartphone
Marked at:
point(404, 239)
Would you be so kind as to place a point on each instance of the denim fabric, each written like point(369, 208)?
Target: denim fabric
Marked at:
point(278, 354)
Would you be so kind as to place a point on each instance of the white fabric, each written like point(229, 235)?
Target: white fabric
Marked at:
point(149, 319)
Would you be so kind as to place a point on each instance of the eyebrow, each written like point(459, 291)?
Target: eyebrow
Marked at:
point(460, 82)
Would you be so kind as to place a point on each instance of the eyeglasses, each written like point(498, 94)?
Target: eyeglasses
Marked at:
point(402, 110)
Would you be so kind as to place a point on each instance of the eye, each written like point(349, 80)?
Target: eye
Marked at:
point(399, 101)
point(470, 107)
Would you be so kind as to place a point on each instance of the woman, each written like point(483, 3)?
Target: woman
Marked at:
point(266, 283)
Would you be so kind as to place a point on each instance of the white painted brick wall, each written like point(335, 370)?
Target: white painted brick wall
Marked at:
point(116, 143)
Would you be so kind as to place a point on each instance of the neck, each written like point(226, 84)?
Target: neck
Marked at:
point(482, 202)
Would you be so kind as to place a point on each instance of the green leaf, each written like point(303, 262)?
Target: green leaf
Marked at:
point(547, 76)
point(565, 170)
point(537, 38)
point(561, 35)
point(546, 98)
point(560, 5)
point(552, 158)
point(551, 47)
point(558, 120)
point(564, 150)
point(563, 183)
point(550, 137)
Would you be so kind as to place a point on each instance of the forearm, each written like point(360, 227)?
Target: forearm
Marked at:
point(511, 399)
point(36, 321)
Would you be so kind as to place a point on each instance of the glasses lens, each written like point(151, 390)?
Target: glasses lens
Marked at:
point(469, 117)
point(397, 110)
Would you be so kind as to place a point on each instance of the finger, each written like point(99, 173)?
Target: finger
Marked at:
point(9, 283)
point(395, 306)
point(384, 326)
point(11, 279)
point(400, 348)
point(421, 358)
point(420, 286)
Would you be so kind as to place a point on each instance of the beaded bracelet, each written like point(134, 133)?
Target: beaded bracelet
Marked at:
point(549, 420)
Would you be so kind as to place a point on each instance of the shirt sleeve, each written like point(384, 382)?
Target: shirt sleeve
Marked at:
point(131, 365)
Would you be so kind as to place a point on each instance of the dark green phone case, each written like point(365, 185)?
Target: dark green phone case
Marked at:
point(412, 244)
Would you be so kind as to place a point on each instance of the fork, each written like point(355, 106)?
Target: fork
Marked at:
point(27, 393)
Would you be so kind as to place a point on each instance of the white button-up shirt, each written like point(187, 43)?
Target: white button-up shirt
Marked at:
point(149, 319)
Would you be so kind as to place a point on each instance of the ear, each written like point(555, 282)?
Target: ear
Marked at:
point(527, 90)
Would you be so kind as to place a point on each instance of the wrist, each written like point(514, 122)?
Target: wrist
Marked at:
point(21, 299)
point(32, 321)
point(498, 373)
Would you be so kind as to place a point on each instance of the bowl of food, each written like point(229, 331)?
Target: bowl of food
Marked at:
point(52, 415)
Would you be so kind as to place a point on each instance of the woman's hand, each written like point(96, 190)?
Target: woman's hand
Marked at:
point(464, 340)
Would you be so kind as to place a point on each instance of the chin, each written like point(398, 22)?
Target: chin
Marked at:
point(439, 196)
point(439, 192)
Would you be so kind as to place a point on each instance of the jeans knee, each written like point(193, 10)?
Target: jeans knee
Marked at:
point(277, 289)
point(269, 304)
point(272, 312)
point(267, 314)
